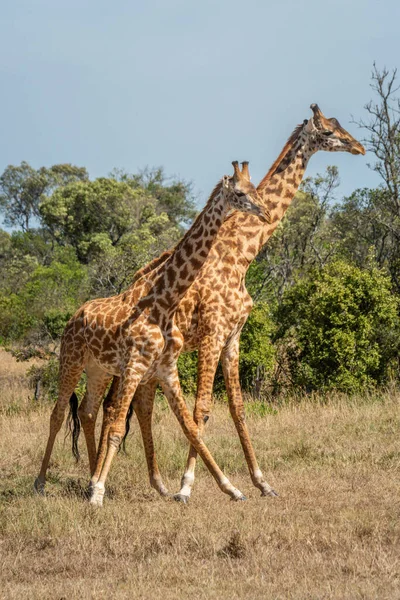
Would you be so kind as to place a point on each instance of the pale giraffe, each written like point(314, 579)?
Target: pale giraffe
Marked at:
point(133, 335)
point(215, 308)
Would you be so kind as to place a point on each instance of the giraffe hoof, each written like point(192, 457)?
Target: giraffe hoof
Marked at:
point(39, 486)
point(241, 498)
point(271, 493)
point(97, 502)
point(181, 498)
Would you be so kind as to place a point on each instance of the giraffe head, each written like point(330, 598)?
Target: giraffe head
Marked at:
point(241, 194)
point(328, 134)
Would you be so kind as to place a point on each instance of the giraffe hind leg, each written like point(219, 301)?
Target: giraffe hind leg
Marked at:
point(230, 367)
point(68, 380)
point(71, 367)
point(209, 352)
point(143, 404)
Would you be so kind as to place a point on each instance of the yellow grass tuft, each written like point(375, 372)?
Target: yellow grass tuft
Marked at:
point(334, 531)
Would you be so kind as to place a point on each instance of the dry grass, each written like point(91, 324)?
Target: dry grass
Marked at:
point(334, 532)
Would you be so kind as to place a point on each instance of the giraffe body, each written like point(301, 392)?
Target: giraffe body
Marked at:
point(213, 312)
point(133, 335)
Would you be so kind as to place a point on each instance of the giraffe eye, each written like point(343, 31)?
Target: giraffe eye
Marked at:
point(327, 133)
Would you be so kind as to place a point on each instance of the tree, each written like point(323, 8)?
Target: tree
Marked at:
point(174, 197)
point(383, 132)
point(22, 188)
point(371, 218)
point(37, 310)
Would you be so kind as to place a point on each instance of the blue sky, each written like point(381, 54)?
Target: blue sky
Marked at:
point(190, 86)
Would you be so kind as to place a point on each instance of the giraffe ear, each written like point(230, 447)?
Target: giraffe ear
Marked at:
point(311, 125)
point(225, 182)
point(317, 114)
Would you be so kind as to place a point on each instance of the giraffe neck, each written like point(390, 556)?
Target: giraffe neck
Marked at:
point(177, 274)
point(242, 233)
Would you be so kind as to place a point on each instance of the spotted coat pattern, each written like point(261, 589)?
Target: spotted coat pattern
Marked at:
point(134, 336)
point(215, 308)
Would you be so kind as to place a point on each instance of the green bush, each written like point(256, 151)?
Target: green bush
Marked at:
point(15, 319)
point(44, 379)
point(257, 357)
point(46, 375)
point(257, 354)
point(187, 366)
point(339, 329)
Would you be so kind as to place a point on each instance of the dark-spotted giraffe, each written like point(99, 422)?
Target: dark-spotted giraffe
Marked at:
point(215, 308)
point(133, 335)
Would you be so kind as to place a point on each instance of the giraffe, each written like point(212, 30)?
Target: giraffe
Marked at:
point(133, 335)
point(215, 308)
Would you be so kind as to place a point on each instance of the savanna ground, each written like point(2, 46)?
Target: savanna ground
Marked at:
point(334, 531)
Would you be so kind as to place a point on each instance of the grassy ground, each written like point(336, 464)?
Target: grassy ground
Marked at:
point(334, 532)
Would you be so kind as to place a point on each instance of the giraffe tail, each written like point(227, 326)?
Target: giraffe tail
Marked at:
point(127, 424)
point(74, 424)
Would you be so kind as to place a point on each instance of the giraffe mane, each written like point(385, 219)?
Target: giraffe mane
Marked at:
point(215, 191)
point(289, 144)
point(152, 267)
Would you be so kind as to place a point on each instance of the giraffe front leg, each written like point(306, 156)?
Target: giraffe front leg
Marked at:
point(109, 406)
point(206, 367)
point(97, 381)
point(127, 387)
point(171, 387)
point(143, 403)
point(230, 367)
point(132, 373)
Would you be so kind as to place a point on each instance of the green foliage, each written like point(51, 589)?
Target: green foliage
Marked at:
point(22, 188)
point(339, 328)
point(15, 319)
point(187, 365)
point(257, 354)
point(257, 357)
point(44, 379)
point(257, 408)
point(77, 212)
point(45, 375)
point(173, 197)
point(44, 303)
point(369, 219)
point(303, 241)
point(93, 237)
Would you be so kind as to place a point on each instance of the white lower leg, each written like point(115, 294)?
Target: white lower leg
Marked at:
point(97, 494)
point(259, 481)
point(98, 488)
point(157, 484)
point(229, 489)
point(187, 484)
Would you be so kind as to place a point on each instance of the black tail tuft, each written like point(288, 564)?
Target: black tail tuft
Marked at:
point(74, 424)
point(127, 425)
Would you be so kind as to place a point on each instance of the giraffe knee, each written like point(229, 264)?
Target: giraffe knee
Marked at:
point(201, 414)
point(85, 417)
